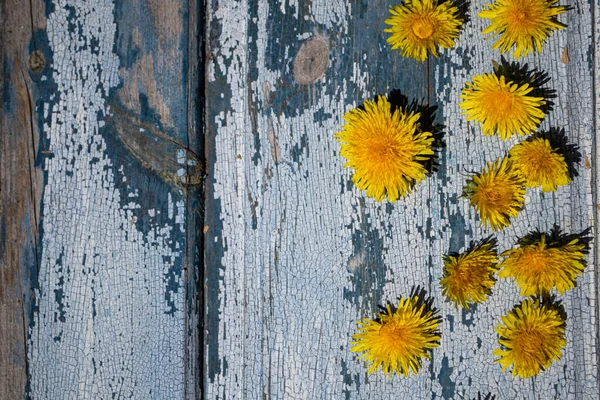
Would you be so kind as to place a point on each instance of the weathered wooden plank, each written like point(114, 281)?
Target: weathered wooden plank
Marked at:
point(596, 110)
point(572, 207)
point(114, 112)
point(295, 254)
point(596, 89)
point(21, 184)
point(194, 201)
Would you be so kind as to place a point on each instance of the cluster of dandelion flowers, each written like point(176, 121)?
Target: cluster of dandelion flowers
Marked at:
point(469, 277)
point(501, 107)
point(538, 265)
point(532, 337)
point(398, 339)
point(497, 193)
point(419, 27)
point(386, 149)
point(540, 164)
point(522, 24)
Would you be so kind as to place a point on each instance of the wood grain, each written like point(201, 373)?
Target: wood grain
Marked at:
point(295, 254)
point(596, 123)
point(21, 183)
point(101, 175)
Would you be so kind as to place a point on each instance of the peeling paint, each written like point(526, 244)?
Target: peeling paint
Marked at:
point(110, 304)
point(293, 231)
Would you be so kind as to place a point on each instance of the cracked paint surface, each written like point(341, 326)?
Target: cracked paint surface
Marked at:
point(304, 254)
point(109, 317)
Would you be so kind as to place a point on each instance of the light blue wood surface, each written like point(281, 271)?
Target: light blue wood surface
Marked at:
point(295, 253)
point(113, 306)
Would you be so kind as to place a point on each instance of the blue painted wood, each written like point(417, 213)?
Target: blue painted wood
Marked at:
point(295, 254)
point(102, 298)
point(23, 60)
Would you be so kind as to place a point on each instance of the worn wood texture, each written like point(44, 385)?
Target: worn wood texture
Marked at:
point(21, 184)
point(101, 176)
point(295, 254)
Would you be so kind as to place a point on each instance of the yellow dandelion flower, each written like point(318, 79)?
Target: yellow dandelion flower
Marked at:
point(399, 339)
point(538, 266)
point(532, 337)
point(501, 107)
point(469, 277)
point(497, 194)
point(419, 27)
point(522, 24)
point(540, 165)
point(385, 148)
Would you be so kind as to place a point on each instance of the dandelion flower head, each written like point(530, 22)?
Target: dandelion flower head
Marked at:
point(386, 149)
point(399, 338)
point(469, 277)
point(497, 193)
point(540, 165)
point(419, 27)
point(522, 24)
point(501, 107)
point(532, 337)
point(539, 265)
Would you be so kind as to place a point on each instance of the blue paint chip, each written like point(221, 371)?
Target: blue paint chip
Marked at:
point(448, 385)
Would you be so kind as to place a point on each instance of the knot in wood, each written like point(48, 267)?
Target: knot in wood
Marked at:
point(311, 61)
point(36, 61)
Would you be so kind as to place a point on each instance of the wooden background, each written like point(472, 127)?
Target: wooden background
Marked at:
point(295, 254)
point(101, 190)
point(125, 274)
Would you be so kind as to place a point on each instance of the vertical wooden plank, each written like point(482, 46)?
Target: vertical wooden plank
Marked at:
point(295, 254)
point(21, 182)
point(194, 265)
point(595, 10)
point(273, 260)
point(572, 207)
point(114, 112)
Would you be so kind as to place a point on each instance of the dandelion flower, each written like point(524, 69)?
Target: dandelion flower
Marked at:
point(539, 265)
point(540, 165)
point(522, 24)
point(469, 277)
point(497, 194)
point(399, 338)
point(386, 149)
point(532, 337)
point(501, 107)
point(419, 27)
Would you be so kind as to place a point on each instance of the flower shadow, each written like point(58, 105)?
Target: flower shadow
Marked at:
point(559, 141)
point(463, 11)
point(427, 124)
point(423, 299)
point(556, 238)
point(522, 74)
point(550, 301)
point(473, 244)
point(489, 396)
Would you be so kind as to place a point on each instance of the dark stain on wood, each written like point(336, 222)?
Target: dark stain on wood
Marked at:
point(157, 151)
